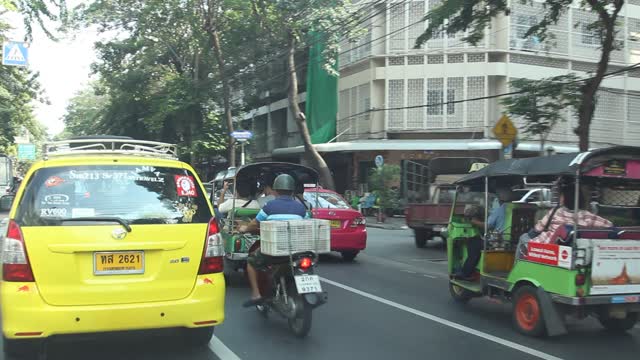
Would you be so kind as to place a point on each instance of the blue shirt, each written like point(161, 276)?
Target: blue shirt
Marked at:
point(282, 208)
point(497, 218)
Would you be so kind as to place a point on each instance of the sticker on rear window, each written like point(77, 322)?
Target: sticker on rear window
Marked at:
point(186, 186)
point(187, 211)
point(56, 199)
point(53, 181)
point(53, 212)
point(82, 212)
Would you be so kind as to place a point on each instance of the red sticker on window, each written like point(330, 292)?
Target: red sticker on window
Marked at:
point(53, 181)
point(186, 186)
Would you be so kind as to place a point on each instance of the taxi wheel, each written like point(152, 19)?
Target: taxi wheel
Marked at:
point(527, 312)
point(460, 294)
point(198, 336)
point(619, 325)
point(22, 349)
point(349, 256)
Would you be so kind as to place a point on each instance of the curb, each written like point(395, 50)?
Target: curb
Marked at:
point(387, 227)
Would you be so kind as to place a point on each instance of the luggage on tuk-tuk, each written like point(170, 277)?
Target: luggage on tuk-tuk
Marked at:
point(546, 260)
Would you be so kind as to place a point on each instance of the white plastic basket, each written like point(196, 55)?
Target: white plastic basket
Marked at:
point(279, 238)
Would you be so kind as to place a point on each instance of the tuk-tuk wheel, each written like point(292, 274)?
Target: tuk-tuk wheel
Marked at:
point(459, 294)
point(527, 312)
point(619, 325)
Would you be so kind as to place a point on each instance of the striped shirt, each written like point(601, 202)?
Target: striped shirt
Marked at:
point(564, 216)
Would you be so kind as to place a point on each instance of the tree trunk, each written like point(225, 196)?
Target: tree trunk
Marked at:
point(321, 166)
point(226, 93)
point(590, 88)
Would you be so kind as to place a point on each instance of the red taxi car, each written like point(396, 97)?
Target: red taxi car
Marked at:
point(348, 226)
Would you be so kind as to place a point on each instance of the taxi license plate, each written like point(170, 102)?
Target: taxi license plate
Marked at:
point(118, 263)
point(308, 284)
point(336, 224)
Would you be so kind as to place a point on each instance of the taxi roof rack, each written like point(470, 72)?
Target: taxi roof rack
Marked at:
point(109, 145)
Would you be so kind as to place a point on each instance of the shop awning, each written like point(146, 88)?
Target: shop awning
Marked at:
point(420, 145)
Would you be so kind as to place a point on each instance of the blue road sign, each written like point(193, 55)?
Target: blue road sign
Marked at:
point(242, 134)
point(15, 53)
point(26, 151)
point(379, 161)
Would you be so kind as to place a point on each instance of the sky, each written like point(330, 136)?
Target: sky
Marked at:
point(64, 68)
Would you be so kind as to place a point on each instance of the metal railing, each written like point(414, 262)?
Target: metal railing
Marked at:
point(110, 146)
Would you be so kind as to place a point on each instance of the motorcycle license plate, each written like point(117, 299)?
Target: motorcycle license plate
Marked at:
point(308, 284)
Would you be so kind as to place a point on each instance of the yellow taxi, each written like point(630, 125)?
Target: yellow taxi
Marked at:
point(108, 235)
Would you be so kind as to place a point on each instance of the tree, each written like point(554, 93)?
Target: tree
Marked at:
point(543, 103)
point(293, 23)
point(44, 13)
point(473, 16)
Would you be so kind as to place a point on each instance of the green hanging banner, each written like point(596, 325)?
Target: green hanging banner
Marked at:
point(322, 95)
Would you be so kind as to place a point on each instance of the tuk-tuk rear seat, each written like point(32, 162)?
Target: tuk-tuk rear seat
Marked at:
point(564, 234)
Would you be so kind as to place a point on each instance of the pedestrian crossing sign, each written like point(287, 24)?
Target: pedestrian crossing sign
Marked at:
point(15, 53)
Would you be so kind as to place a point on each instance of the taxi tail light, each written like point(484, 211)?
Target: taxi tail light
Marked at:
point(359, 221)
point(15, 262)
point(212, 257)
point(581, 279)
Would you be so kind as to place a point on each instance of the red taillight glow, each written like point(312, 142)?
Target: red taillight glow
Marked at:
point(305, 263)
point(15, 262)
point(581, 279)
point(212, 261)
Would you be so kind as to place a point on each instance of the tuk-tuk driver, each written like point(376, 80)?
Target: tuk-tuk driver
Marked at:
point(495, 222)
point(284, 207)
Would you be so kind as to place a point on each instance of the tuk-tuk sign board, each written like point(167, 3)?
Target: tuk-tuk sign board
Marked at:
point(616, 267)
point(550, 254)
point(505, 131)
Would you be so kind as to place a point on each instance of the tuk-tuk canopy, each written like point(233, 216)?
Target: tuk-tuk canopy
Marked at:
point(555, 165)
point(258, 171)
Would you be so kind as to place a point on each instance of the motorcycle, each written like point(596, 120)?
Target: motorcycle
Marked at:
point(292, 290)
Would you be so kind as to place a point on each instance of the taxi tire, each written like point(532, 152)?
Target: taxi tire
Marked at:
point(198, 336)
point(619, 325)
point(22, 349)
point(349, 256)
point(527, 315)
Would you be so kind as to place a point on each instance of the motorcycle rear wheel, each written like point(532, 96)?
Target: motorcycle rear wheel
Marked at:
point(300, 324)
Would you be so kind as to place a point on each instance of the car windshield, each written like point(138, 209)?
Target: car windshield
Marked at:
point(325, 200)
point(136, 194)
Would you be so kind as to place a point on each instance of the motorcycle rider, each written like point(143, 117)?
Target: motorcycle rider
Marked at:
point(284, 207)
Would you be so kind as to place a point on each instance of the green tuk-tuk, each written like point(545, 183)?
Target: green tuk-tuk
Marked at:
point(577, 270)
point(254, 179)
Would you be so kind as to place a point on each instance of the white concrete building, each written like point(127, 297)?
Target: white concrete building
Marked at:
point(383, 71)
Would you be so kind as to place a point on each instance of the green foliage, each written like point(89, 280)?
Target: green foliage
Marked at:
point(543, 103)
point(43, 13)
point(381, 181)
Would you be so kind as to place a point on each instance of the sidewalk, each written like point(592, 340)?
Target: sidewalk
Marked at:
point(394, 223)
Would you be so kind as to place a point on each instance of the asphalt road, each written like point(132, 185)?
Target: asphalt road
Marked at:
point(391, 303)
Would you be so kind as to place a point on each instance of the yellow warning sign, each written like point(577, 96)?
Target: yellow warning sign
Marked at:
point(505, 131)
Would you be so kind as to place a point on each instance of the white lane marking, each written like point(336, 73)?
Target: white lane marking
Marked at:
point(221, 350)
point(448, 323)
point(430, 276)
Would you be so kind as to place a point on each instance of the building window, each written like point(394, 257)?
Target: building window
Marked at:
point(451, 96)
point(588, 37)
point(434, 102)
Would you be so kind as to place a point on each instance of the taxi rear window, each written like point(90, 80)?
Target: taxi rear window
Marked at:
point(135, 194)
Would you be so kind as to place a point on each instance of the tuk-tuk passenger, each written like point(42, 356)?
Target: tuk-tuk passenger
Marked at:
point(284, 207)
point(562, 215)
point(242, 198)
